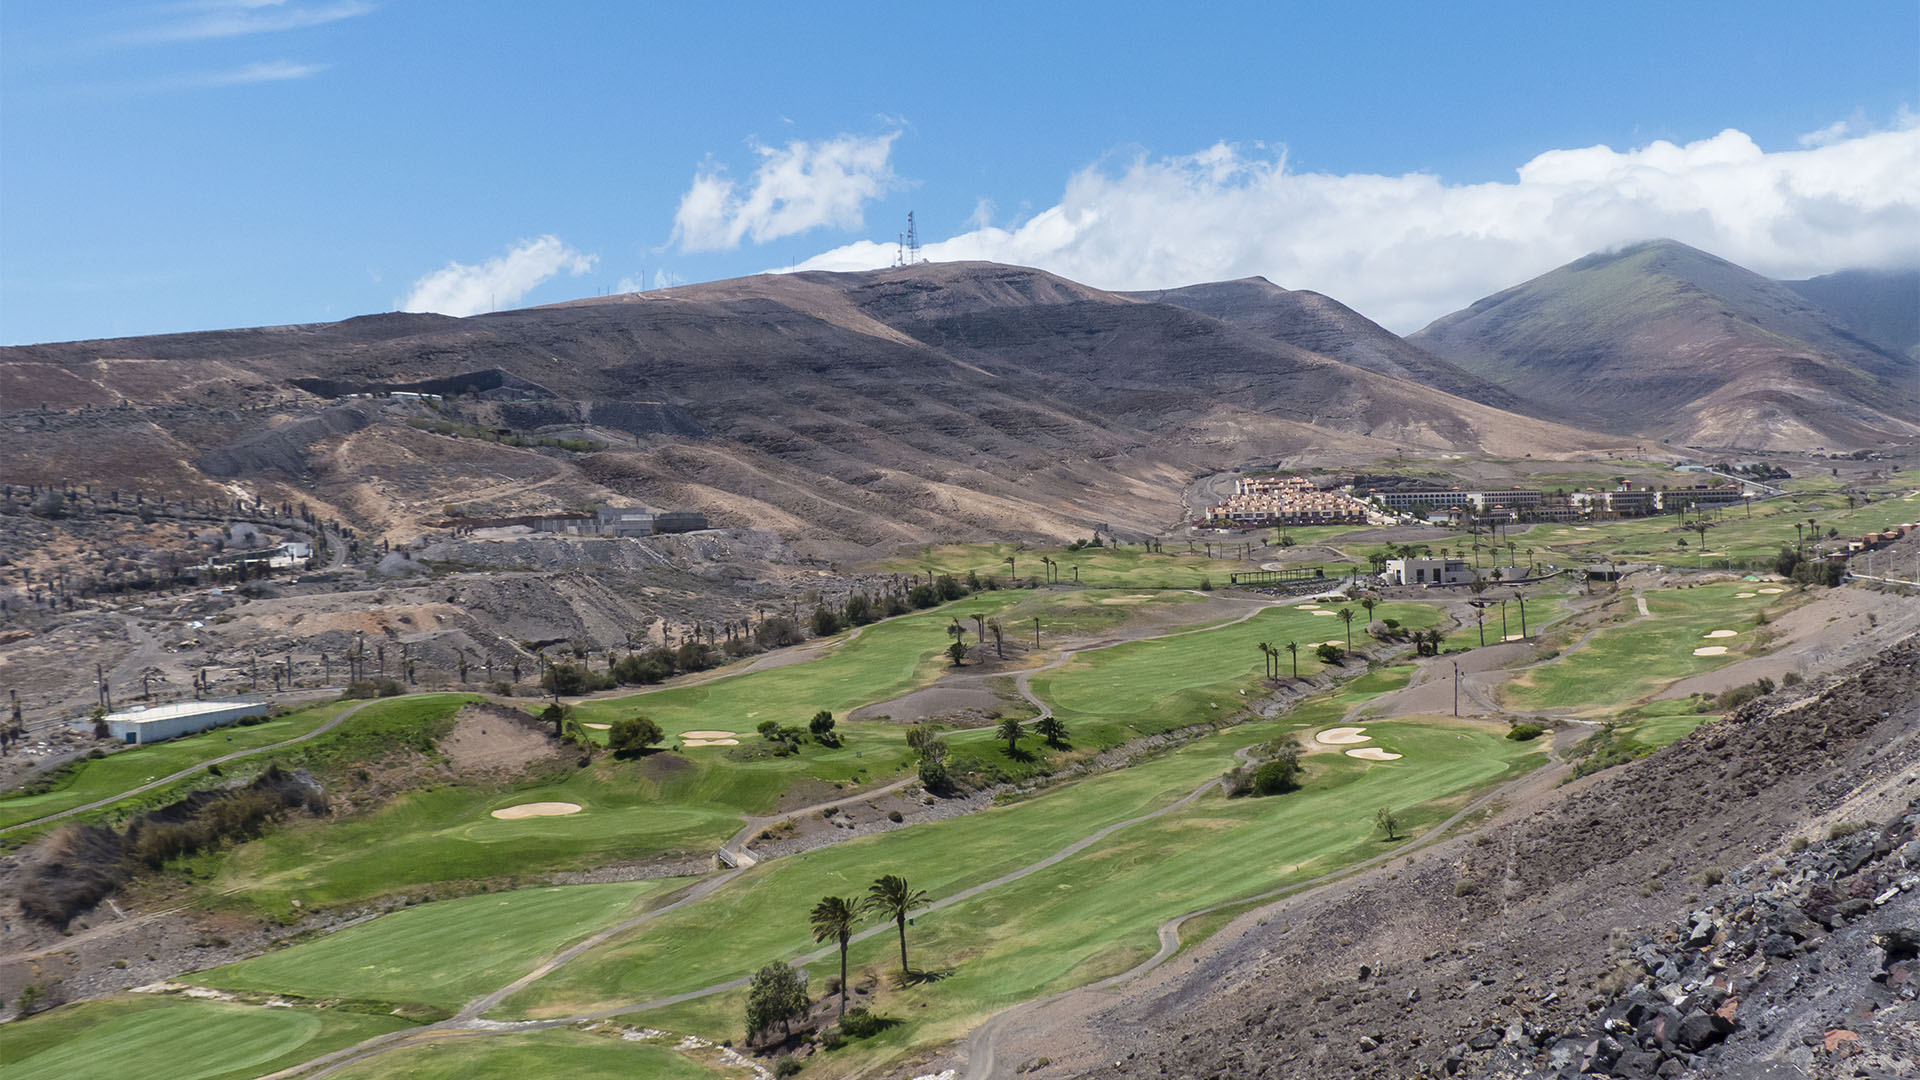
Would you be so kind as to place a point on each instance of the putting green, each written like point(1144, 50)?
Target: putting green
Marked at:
point(176, 1039)
point(441, 954)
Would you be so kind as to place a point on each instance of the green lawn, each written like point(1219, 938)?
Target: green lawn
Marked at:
point(166, 1038)
point(123, 770)
point(442, 954)
point(1633, 659)
point(576, 1055)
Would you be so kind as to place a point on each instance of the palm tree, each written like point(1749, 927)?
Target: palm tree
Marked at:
point(1513, 553)
point(833, 920)
point(890, 896)
point(1010, 730)
point(1267, 657)
point(1346, 616)
point(1053, 729)
point(1368, 602)
point(1293, 648)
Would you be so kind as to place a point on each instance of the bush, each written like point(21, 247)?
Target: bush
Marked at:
point(861, 1024)
point(821, 725)
point(786, 1066)
point(775, 632)
point(895, 817)
point(634, 734)
point(373, 688)
point(1525, 732)
point(1328, 654)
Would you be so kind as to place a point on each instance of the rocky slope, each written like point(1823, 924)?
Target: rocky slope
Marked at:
point(1663, 340)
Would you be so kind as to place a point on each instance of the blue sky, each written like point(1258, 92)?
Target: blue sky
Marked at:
point(211, 163)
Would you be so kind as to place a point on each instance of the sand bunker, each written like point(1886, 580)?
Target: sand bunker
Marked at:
point(536, 809)
point(708, 734)
point(1323, 611)
point(598, 727)
point(1307, 607)
point(1723, 633)
point(710, 742)
point(1335, 641)
point(1373, 753)
point(1710, 650)
point(1341, 736)
point(1743, 596)
point(1516, 637)
point(1772, 592)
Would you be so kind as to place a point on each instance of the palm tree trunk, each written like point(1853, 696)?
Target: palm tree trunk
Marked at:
point(843, 978)
point(902, 923)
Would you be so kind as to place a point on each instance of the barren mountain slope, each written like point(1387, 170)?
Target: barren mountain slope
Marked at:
point(936, 401)
point(1324, 325)
point(1661, 339)
point(1882, 306)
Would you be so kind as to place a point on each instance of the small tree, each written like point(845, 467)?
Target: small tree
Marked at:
point(556, 715)
point(1011, 731)
point(821, 725)
point(634, 735)
point(1053, 729)
point(957, 653)
point(777, 995)
point(1387, 821)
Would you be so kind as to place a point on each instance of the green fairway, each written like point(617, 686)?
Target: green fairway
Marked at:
point(1095, 913)
point(443, 954)
point(576, 1055)
point(885, 659)
point(1735, 535)
point(124, 770)
point(1127, 882)
point(1628, 661)
point(663, 803)
point(1129, 567)
point(165, 1038)
point(1150, 686)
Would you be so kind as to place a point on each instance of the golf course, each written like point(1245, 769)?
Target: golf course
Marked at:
point(1065, 878)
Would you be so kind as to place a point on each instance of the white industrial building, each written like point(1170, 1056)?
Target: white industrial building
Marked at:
point(161, 722)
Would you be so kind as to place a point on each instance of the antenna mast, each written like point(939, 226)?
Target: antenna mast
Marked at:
point(913, 241)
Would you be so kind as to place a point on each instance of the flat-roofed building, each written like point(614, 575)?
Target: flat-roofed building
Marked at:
point(161, 722)
point(1428, 572)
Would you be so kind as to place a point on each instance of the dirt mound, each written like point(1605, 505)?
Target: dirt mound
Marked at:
point(77, 866)
point(283, 449)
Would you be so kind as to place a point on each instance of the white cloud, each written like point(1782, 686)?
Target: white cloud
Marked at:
point(238, 18)
point(264, 72)
point(796, 188)
point(500, 282)
point(1407, 249)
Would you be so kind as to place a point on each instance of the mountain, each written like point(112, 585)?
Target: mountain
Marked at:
point(1663, 340)
point(1324, 325)
point(939, 401)
point(1882, 306)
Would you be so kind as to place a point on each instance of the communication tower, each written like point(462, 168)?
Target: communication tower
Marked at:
point(912, 242)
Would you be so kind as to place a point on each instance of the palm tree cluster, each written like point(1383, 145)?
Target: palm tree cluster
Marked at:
point(833, 918)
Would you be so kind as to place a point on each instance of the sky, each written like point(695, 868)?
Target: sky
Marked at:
point(201, 164)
